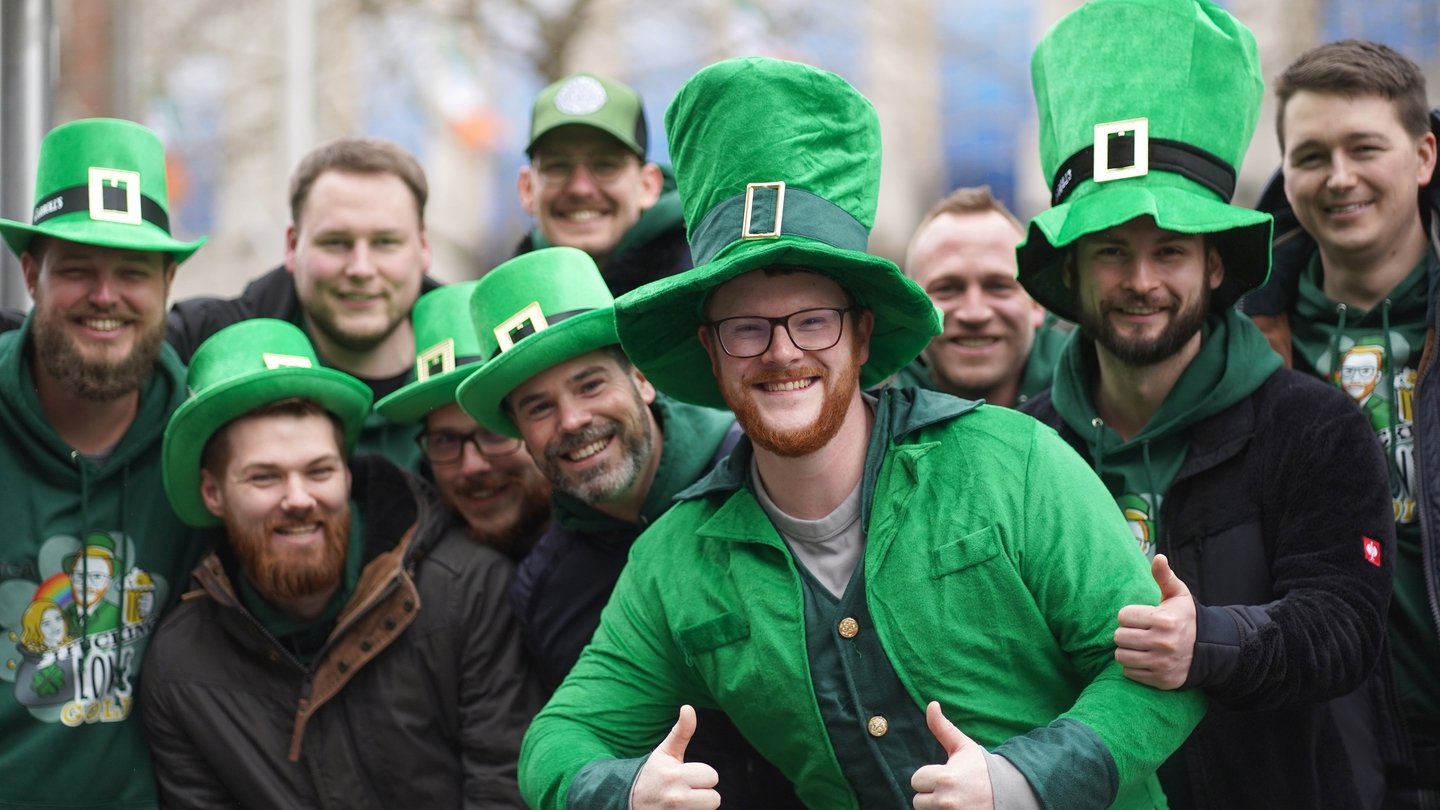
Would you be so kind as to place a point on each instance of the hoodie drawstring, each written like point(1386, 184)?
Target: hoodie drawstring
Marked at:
point(1099, 425)
point(1341, 312)
point(1154, 493)
point(1393, 399)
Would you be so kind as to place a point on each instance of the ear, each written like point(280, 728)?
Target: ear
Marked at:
point(647, 391)
point(651, 181)
point(212, 495)
point(1427, 158)
point(424, 251)
point(1037, 315)
point(170, 266)
point(525, 185)
point(864, 328)
point(292, 235)
point(30, 268)
point(1214, 267)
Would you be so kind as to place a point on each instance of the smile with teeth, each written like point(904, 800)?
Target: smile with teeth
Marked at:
point(787, 385)
point(584, 215)
point(297, 531)
point(974, 342)
point(103, 324)
point(588, 450)
point(481, 493)
point(1348, 208)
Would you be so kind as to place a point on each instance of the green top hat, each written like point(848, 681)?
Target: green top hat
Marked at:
point(101, 181)
point(236, 370)
point(98, 544)
point(593, 101)
point(778, 164)
point(447, 350)
point(1146, 108)
point(533, 312)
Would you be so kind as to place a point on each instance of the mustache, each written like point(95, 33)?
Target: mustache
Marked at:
point(591, 433)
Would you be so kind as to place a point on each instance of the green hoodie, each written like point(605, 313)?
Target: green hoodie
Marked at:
point(1234, 359)
point(72, 735)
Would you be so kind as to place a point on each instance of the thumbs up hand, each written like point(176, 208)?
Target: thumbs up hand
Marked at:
point(667, 780)
point(963, 781)
point(1155, 645)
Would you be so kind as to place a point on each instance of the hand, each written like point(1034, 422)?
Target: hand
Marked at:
point(963, 781)
point(1155, 645)
point(668, 781)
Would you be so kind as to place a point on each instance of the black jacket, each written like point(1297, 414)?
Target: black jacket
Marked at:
point(1267, 523)
point(419, 697)
point(665, 255)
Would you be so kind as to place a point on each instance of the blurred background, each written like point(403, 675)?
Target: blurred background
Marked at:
point(239, 91)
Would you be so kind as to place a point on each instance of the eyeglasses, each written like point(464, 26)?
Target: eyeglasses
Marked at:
point(811, 330)
point(603, 168)
point(447, 446)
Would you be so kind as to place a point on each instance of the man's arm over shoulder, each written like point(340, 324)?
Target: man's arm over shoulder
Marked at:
point(1329, 512)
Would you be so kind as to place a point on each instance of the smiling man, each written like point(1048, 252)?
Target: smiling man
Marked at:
point(996, 343)
point(834, 585)
point(356, 254)
point(88, 385)
point(489, 481)
point(342, 628)
point(1258, 493)
point(590, 186)
point(1356, 270)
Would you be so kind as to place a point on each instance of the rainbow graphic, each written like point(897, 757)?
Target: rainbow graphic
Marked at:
point(56, 589)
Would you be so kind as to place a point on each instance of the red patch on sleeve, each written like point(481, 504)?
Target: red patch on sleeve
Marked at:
point(1372, 551)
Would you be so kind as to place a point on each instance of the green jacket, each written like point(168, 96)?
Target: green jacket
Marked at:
point(995, 565)
point(72, 734)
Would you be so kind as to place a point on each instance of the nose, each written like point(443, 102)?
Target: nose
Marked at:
point(103, 290)
point(573, 415)
point(580, 181)
point(1142, 277)
point(1342, 174)
point(472, 461)
point(971, 307)
point(361, 263)
point(782, 348)
point(297, 497)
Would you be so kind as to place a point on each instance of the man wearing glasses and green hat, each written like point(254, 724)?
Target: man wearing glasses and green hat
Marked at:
point(1267, 494)
point(86, 386)
point(897, 597)
point(344, 645)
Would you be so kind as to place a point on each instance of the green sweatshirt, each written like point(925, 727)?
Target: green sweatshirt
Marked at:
point(1234, 359)
point(70, 666)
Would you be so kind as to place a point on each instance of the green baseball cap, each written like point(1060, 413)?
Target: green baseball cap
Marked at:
point(1146, 109)
point(447, 351)
point(101, 181)
point(778, 164)
point(592, 101)
point(236, 370)
point(531, 313)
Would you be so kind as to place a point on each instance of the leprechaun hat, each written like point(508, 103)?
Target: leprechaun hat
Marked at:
point(236, 370)
point(101, 181)
point(1146, 109)
point(531, 313)
point(778, 164)
point(447, 351)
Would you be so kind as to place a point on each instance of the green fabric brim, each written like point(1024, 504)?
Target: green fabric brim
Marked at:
point(658, 322)
point(483, 394)
point(411, 403)
point(85, 231)
point(197, 419)
point(1241, 235)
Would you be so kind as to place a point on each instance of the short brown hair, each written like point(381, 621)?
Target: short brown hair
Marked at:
point(216, 455)
point(962, 201)
point(1352, 68)
point(359, 156)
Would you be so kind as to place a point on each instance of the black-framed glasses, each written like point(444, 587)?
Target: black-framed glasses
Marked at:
point(447, 446)
point(811, 330)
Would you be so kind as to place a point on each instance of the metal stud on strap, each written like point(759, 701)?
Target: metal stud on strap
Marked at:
point(779, 188)
point(531, 316)
point(1141, 164)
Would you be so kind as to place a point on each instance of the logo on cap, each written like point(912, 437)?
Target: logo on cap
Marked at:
point(581, 95)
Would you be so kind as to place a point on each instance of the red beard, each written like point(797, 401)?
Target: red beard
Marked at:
point(282, 573)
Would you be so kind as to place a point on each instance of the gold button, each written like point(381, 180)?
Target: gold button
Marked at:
point(849, 628)
point(877, 726)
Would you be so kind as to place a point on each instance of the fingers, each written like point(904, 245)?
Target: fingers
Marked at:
point(951, 738)
point(679, 737)
point(1171, 586)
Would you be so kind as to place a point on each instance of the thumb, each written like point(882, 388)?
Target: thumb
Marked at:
point(1170, 585)
point(950, 738)
point(679, 737)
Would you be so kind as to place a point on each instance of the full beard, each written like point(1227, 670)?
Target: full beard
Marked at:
point(518, 537)
point(1142, 351)
point(601, 484)
point(283, 574)
point(801, 441)
point(103, 380)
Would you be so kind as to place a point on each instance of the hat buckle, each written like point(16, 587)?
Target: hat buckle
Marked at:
point(531, 316)
point(129, 181)
point(778, 187)
point(1139, 166)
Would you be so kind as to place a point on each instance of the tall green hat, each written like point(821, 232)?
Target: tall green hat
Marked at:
point(447, 350)
point(1146, 108)
point(101, 181)
point(778, 165)
point(100, 543)
point(236, 370)
point(592, 101)
point(531, 313)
